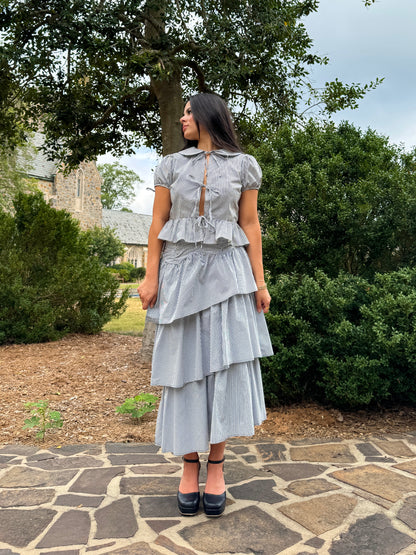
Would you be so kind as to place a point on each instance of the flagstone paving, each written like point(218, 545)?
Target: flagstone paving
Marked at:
point(306, 497)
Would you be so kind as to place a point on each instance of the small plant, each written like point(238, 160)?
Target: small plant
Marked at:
point(42, 417)
point(138, 406)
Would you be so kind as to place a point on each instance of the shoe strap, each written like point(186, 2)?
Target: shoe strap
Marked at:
point(190, 460)
point(217, 462)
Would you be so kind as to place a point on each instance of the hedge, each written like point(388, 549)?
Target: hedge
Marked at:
point(343, 340)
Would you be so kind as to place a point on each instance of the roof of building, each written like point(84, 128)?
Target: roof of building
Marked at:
point(130, 228)
point(40, 166)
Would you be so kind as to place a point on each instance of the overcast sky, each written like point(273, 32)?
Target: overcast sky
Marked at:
point(362, 44)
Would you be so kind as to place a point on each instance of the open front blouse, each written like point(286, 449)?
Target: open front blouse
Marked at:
point(228, 175)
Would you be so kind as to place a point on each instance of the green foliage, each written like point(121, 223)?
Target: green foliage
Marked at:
point(338, 96)
point(13, 133)
point(137, 273)
point(50, 285)
point(336, 198)
point(14, 165)
point(345, 340)
point(118, 184)
point(338, 212)
point(95, 72)
point(128, 272)
point(139, 405)
point(42, 417)
point(124, 273)
point(104, 244)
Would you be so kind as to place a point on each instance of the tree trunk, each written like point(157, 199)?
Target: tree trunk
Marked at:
point(146, 351)
point(169, 95)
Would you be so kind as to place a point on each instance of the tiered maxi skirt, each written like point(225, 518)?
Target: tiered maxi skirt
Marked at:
point(208, 342)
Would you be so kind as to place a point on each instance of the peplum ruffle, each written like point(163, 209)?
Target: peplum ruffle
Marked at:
point(192, 279)
point(202, 230)
point(191, 348)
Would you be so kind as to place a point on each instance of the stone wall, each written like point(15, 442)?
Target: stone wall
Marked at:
point(48, 190)
point(79, 193)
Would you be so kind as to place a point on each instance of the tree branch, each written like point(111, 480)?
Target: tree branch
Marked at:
point(243, 109)
point(68, 67)
point(184, 46)
point(202, 86)
point(113, 107)
point(310, 107)
point(183, 22)
point(135, 30)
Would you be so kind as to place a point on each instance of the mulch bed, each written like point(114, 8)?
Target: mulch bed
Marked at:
point(86, 377)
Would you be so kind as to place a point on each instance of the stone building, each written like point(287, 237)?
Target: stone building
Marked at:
point(132, 230)
point(78, 193)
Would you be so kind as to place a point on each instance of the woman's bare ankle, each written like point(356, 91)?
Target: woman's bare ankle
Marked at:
point(215, 479)
point(190, 477)
point(215, 475)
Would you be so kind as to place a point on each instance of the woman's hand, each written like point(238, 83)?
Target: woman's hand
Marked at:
point(148, 293)
point(263, 299)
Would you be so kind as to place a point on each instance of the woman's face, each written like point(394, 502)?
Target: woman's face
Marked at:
point(189, 127)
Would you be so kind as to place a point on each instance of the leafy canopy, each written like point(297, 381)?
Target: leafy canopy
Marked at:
point(118, 184)
point(104, 244)
point(97, 73)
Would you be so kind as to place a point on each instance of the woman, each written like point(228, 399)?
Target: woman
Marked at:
point(206, 291)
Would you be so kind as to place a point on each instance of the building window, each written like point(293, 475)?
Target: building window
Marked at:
point(134, 256)
point(79, 189)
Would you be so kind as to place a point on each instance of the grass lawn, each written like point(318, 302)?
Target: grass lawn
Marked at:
point(131, 322)
point(133, 286)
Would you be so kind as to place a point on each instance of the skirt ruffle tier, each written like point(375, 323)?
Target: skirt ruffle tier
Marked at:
point(208, 341)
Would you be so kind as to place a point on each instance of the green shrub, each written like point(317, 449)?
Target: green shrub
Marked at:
point(128, 272)
point(345, 340)
point(103, 243)
point(50, 284)
point(137, 273)
point(336, 198)
point(123, 273)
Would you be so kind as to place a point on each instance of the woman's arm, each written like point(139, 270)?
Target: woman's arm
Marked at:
point(249, 221)
point(149, 287)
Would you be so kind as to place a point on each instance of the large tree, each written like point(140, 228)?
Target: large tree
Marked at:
point(109, 76)
point(117, 188)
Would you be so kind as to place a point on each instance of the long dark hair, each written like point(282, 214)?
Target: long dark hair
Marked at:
point(210, 111)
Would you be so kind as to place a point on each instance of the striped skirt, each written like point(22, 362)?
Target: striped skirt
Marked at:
point(208, 342)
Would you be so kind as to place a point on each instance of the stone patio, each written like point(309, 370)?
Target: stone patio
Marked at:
point(336, 498)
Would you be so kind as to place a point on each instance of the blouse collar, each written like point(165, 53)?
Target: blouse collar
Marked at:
point(193, 151)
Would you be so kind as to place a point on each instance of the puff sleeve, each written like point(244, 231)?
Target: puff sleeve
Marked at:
point(251, 173)
point(163, 173)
